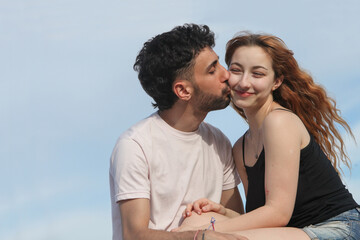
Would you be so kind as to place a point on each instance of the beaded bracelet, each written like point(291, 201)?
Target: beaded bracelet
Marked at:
point(212, 223)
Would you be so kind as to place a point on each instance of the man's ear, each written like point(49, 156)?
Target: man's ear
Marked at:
point(278, 82)
point(183, 89)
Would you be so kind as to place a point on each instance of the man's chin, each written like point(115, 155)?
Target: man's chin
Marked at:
point(227, 100)
point(209, 103)
point(221, 105)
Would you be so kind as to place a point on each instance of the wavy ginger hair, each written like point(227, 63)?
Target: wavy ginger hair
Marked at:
point(300, 94)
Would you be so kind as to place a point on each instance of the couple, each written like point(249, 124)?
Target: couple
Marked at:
point(288, 160)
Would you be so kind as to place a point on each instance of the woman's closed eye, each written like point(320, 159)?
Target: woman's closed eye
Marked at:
point(258, 74)
point(235, 70)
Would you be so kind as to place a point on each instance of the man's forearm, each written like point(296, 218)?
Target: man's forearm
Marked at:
point(150, 234)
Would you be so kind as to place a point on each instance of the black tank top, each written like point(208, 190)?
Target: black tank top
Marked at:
point(320, 194)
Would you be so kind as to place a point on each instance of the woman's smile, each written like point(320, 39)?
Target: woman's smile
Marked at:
point(243, 94)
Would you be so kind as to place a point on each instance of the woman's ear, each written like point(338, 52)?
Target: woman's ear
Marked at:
point(278, 82)
point(183, 89)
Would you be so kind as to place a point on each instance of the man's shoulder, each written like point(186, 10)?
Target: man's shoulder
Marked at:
point(136, 137)
point(138, 129)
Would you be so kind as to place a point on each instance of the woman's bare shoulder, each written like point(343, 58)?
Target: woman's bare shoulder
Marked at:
point(287, 122)
point(284, 119)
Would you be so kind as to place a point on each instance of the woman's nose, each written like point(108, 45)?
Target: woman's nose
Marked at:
point(240, 80)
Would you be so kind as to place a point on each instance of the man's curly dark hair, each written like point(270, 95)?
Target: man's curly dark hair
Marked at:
point(170, 55)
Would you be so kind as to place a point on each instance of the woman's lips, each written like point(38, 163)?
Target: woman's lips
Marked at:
point(243, 94)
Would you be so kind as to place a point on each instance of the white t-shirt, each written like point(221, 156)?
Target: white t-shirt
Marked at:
point(171, 168)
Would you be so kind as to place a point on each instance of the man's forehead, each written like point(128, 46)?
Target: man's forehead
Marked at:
point(206, 57)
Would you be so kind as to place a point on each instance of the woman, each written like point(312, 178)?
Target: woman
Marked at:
point(289, 159)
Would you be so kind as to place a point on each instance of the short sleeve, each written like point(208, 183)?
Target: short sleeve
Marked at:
point(129, 171)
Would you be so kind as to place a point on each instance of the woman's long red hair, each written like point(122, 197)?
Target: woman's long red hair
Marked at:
point(300, 94)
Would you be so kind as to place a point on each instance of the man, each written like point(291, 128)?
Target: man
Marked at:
point(172, 157)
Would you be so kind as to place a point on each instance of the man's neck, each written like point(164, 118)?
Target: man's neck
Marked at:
point(182, 117)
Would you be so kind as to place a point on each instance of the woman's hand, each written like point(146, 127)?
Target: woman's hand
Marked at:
point(204, 205)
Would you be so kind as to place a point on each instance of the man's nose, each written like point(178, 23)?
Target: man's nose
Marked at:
point(225, 74)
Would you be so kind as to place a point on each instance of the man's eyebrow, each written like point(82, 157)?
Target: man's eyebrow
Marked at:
point(214, 63)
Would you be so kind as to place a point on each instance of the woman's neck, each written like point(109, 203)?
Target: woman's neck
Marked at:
point(256, 116)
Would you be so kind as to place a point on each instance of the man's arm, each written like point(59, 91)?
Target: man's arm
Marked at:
point(231, 199)
point(135, 216)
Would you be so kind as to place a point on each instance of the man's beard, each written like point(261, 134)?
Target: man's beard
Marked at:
point(207, 102)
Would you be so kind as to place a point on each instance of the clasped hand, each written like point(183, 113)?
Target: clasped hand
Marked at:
point(203, 205)
point(200, 206)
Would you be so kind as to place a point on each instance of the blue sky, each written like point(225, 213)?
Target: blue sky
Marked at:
point(68, 90)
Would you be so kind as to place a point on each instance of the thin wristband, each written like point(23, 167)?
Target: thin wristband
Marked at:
point(203, 235)
point(197, 232)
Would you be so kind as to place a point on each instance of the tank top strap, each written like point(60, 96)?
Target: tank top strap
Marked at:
point(243, 147)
